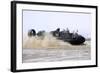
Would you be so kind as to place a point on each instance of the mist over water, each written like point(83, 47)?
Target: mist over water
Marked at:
point(46, 41)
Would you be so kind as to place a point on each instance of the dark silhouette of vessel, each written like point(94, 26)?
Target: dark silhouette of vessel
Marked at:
point(31, 33)
point(65, 35)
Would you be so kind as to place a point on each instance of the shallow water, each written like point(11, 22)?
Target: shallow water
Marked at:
point(49, 55)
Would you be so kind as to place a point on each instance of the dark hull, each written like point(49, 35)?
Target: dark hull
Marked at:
point(74, 41)
point(80, 40)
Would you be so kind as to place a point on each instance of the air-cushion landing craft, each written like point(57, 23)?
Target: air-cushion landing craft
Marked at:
point(66, 36)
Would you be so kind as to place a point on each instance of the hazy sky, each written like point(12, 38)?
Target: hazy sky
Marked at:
point(49, 21)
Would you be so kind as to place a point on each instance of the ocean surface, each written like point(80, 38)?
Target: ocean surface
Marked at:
point(49, 55)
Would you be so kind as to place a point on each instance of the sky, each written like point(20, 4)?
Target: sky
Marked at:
point(49, 21)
